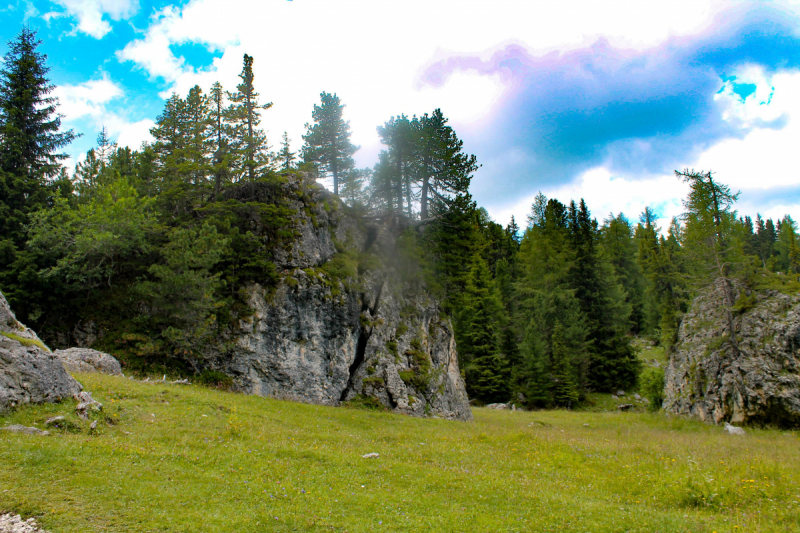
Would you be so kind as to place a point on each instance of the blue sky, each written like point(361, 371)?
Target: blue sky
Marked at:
point(601, 100)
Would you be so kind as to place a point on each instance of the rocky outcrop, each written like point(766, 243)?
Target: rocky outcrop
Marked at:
point(88, 360)
point(759, 382)
point(28, 372)
point(346, 322)
point(13, 328)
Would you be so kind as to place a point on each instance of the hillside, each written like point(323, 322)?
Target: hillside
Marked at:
point(189, 458)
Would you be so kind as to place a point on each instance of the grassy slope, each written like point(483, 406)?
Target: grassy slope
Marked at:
point(254, 464)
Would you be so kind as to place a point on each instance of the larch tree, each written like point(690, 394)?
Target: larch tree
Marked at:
point(710, 222)
point(327, 140)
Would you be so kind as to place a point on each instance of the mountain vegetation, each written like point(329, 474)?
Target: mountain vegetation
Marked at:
point(155, 244)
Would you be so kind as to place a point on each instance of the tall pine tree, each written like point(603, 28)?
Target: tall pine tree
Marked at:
point(327, 140)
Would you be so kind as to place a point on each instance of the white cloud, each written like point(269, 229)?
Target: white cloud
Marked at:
point(90, 14)
point(90, 101)
point(606, 195)
point(766, 157)
point(360, 50)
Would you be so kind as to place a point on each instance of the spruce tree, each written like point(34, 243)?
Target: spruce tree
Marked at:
point(30, 139)
point(327, 140)
point(565, 389)
point(478, 349)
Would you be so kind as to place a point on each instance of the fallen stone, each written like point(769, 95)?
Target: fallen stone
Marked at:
point(620, 393)
point(87, 403)
point(637, 397)
point(498, 406)
point(625, 406)
point(13, 523)
point(733, 430)
point(19, 428)
point(87, 360)
point(371, 456)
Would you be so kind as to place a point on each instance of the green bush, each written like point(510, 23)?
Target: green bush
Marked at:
point(652, 386)
point(215, 378)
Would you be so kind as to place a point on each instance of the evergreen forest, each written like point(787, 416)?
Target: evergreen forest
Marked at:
point(156, 243)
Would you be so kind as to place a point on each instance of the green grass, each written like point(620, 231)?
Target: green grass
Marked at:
point(25, 341)
point(197, 459)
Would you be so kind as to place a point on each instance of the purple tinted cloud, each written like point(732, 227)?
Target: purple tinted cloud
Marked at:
point(638, 112)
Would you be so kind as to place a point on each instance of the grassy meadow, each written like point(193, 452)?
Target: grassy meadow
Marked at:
point(190, 458)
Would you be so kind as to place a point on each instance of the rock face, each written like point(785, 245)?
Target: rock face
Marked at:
point(88, 360)
point(346, 322)
point(11, 326)
point(708, 379)
point(28, 373)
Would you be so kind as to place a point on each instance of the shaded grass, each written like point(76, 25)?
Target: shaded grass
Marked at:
point(197, 459)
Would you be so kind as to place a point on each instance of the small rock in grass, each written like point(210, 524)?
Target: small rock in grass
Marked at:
point(54, 421)
point(625, 406)
point(371, 456)
point(733, 430)
point(497, 406)
point(19, 428)
point(637, 397)
point(620, 393)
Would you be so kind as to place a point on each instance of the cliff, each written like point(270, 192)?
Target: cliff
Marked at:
point(708, 379)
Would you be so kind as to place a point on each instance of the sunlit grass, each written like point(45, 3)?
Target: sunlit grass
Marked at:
point(196, 459)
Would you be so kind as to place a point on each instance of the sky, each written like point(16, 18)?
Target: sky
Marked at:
point(576, 98)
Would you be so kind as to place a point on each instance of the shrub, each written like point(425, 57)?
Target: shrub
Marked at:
point(652, 387)
point(215, 378)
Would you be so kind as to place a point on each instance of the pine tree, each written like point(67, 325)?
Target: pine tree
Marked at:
point(443, 168)
point(286, 156)
point(395, 170)
point(250, 143)
point(327, 140)
point(220, 135)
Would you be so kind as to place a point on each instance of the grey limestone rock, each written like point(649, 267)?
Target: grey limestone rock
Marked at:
point(29, 374)
point(19, 428)
point(344, 323)
point(13, 327)
point(11, 523)
point(88, 360)
point(708, 379)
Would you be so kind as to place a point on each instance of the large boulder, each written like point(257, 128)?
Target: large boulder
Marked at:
point(88, 360)
point(346, 323)
point(29, 373)
point(759, 383)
